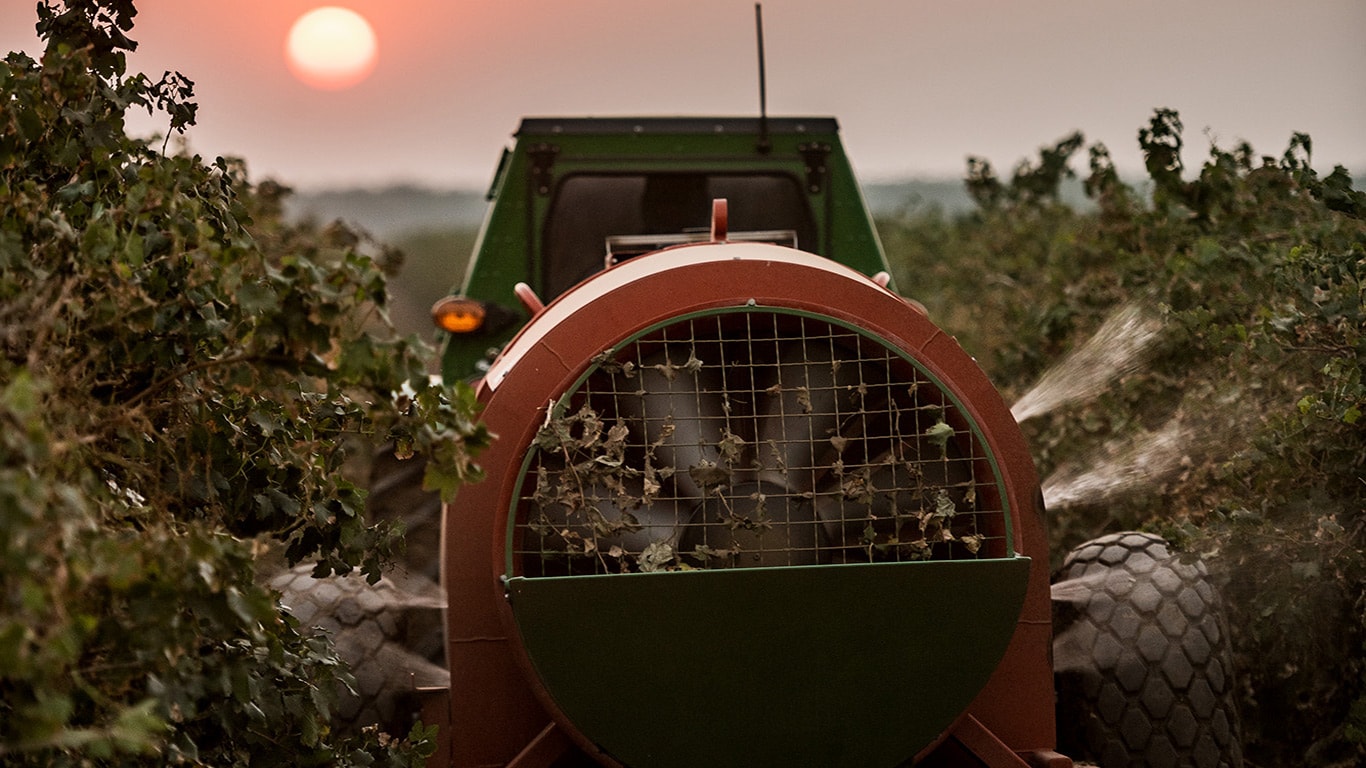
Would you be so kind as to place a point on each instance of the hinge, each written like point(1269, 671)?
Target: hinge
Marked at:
point(814, 155)
point(542, 161)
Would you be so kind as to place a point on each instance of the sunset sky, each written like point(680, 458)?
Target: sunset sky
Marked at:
point(917, 85)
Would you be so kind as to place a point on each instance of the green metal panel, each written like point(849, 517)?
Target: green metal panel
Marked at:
point(857, 665)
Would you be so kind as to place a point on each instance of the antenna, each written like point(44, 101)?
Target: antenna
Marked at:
point(764, 145)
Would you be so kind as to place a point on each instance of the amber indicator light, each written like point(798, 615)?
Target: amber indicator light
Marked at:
point(457, 314)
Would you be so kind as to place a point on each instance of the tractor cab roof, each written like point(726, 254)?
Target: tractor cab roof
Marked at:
point(611, 126)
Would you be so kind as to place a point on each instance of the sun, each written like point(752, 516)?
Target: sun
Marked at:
point(331, 48)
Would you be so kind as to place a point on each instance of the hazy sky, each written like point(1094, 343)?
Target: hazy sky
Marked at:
point(916, 85)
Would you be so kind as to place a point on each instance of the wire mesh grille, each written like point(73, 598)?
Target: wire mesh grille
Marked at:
point(749, 439)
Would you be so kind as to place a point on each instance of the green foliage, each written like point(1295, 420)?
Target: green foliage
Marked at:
point(185, 382)
point(1257, 267)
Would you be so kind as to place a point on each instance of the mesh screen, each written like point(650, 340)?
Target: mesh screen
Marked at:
point(751, 439)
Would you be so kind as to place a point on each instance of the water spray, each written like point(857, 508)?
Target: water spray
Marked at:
point(1139, 461)
point(1115, 350)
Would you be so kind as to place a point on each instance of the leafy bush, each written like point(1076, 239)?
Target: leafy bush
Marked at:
point(185, 382)
point(1241, 436)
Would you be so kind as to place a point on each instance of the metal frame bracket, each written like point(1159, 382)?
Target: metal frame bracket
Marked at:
point(814, 155)
point(542, 162)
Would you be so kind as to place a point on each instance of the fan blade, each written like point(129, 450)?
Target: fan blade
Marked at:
point(682, 416)
point(621, 521)
point(755, 524)
point(900, 497)
point(815, 398)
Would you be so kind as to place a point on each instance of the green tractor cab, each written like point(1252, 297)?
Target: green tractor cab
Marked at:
point(576, 194)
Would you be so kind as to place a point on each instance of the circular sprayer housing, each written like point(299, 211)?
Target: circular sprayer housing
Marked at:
point(746, 506)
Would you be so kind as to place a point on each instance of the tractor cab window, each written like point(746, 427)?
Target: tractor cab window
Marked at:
point(638, 210)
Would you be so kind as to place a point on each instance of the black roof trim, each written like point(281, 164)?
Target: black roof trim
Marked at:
point(748, 126)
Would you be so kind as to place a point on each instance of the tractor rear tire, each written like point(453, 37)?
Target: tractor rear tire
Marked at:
point(1142, 659)
point(385, 632)
point(389, 633)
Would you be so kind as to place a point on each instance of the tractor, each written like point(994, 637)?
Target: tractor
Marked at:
point(748, 506)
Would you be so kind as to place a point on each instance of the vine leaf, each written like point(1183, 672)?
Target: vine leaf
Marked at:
point(944, 507)
point(656, 557)
point(939, 435)
point(707, 474)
